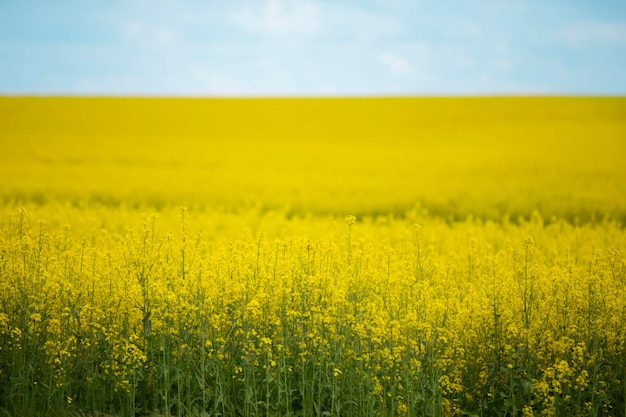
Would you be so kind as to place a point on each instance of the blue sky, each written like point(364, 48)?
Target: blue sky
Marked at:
point(312, 48)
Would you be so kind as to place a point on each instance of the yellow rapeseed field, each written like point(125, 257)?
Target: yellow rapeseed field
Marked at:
point(313, 257)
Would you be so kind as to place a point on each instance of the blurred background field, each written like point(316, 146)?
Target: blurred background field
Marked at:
point(453, 157)
point(202, 257)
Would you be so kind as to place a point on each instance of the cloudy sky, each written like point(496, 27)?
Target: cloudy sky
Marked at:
point(312, 48)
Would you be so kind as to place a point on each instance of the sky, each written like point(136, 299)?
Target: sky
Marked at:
point(312, 48)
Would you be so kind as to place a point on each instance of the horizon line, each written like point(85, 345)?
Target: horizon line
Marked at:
point(306, 96)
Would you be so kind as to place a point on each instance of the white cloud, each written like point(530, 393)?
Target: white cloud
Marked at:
point(163, 35)
point(278, 17)
point(592, 32)
point(461, 27)
point(395, 63)
point(357, 22)
point(147, 34)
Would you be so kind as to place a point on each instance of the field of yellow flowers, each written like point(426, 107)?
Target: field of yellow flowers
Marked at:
point(312, 257)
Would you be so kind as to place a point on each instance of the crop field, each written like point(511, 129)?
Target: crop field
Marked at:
point(312, 257)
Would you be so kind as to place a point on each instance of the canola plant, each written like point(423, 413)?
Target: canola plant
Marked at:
point(441, 257)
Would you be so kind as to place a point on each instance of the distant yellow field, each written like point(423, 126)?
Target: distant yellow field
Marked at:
point(313, 258)
point(454, 156)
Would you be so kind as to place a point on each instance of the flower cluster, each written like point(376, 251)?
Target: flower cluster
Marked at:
point(357, 318)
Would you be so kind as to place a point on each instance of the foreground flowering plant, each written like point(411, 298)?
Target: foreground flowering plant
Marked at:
point(372, 317)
